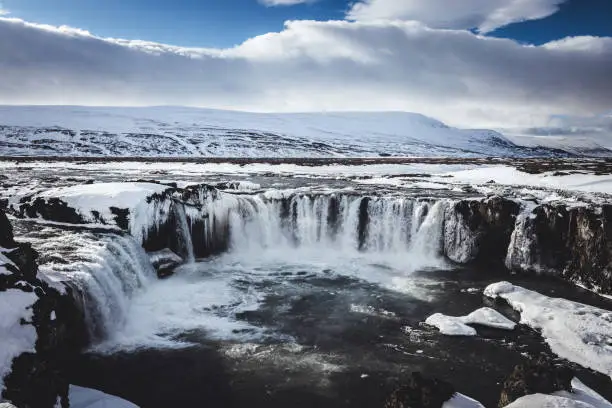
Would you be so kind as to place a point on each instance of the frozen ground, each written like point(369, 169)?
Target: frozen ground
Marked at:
point(176, 132)
point(15, 337)
point(581, 397)
point(577, 332)
point(87, 398)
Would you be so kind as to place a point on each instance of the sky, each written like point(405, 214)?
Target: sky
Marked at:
point(536, 64)
point(225, 23)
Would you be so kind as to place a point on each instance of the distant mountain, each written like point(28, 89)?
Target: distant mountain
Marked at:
point(178, 131)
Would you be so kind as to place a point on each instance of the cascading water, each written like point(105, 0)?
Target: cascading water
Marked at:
point(184, 233)
point(343, 222)
point(106, 270)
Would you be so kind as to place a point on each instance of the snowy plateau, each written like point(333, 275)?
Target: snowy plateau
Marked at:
point(181, 132)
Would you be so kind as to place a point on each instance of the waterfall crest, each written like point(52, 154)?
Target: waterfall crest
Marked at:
point(341, 222)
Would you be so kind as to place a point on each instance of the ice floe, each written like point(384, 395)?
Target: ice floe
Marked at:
point(459, 326)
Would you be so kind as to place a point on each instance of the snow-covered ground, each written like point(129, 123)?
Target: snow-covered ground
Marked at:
point(176, 131)
point(15, 337)
point(87, 398)
point(577, 332)
point(581, 397)
point(503, 179)
point(101, 197)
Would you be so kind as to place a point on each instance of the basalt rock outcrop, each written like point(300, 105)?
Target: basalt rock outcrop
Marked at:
point(421, 392)
point(479, 230)
point(574, 243)
point(535, 377)
point(36, 380)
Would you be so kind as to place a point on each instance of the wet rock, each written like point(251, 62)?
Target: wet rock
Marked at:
point(121, 217)
point(535, 377)
point(573, 243)
point(6, 232)
point(36, 379)
point(421, 392)
point(165, 262)
point(479, 230)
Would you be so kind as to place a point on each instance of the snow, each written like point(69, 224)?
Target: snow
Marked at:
point(577, 332)
point(508, 175)
point(88, 199)
point(462, 401)
point(101, 196)
point(581, 397)
point(4, 261)
point(88, 398)
point(15, 338)
point(458, 326)
point(179, 131)
point(164, 256)
point(488, 317)
point(450, 326)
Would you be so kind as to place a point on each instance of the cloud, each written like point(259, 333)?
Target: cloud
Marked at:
point(484, 15)
point(453, 75)
point(273, 3)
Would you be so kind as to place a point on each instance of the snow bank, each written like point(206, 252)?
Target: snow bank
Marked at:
point(100, 197)
point(15, 338)
point(449, 325)
point(4, 261)
point(508, 175)
point(87, 398)
point(462, 401)
point(458, 326)
point(581, 397)
point(577, 332)
point(93, 203)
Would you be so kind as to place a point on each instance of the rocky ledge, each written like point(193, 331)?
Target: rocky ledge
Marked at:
point(571, 240)
point(46, 331)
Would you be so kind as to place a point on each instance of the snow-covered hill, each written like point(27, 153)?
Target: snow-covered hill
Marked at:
point(178, 131)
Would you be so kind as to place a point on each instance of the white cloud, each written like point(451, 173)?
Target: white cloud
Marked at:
point(485, 15)
point(453, 75)
point(273, 3)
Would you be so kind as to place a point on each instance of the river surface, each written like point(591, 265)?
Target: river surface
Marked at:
point(303, 329)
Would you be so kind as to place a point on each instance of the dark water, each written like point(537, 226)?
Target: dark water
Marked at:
point(346, 357)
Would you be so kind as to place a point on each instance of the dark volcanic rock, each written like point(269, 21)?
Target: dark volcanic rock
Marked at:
point(36, 379)
point(479, 231)
point(165, 262)
point(535, 377)
point(574, 243)
point(421, 392)
point(50, 209)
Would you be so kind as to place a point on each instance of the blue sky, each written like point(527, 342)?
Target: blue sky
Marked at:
point(223, 23)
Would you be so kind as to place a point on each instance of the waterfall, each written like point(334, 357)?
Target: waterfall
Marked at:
point(342, 222)
point(106, 270)
point(184, 233)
